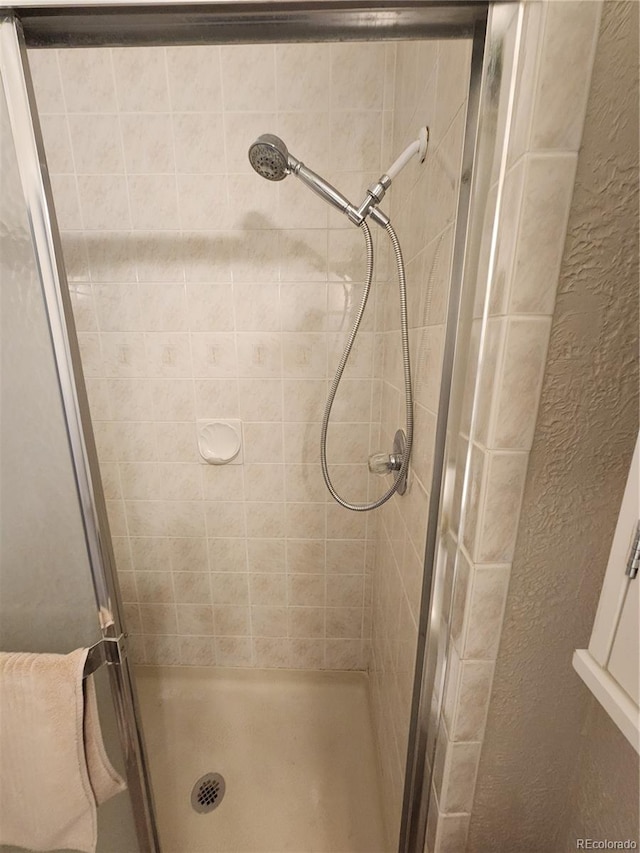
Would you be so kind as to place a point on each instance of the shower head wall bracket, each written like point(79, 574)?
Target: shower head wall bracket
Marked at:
point(418, 146)
point(376, 192)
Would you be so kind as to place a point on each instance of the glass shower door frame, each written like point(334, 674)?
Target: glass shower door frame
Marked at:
point(25, 129)
point(63, 24)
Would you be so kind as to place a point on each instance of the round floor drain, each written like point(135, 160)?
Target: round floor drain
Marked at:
point(208, 792)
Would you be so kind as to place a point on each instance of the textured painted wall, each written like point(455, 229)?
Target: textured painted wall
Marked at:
point(604, 797)
point(545, 776)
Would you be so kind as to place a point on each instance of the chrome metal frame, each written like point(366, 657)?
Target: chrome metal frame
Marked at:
point(63, 24)
point(419, 765)
point(113, 24)
point(25, 127)
point(468, 288)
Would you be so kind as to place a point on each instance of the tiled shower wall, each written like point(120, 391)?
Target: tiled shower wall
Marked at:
point(431, 85)
point(505, 372)
point(201, 290)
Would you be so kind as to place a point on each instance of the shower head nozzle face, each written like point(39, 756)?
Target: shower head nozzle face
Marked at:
point(269, 157)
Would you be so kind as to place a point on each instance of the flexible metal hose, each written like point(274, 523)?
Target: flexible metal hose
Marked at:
point(404, 328)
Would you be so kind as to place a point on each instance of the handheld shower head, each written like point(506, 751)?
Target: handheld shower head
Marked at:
point(269, 157)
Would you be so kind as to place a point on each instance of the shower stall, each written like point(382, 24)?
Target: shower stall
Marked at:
point(275, 654)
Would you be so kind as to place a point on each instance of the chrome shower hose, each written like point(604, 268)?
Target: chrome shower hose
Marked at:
point(404, 328)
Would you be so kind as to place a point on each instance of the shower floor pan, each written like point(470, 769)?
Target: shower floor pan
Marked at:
point(296, 751)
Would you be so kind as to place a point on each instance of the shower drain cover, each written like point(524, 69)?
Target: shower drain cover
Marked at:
point(208, 792)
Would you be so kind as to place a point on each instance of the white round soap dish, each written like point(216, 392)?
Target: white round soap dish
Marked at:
point(219, 442)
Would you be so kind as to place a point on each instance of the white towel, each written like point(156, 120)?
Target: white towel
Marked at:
point(54, 770)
